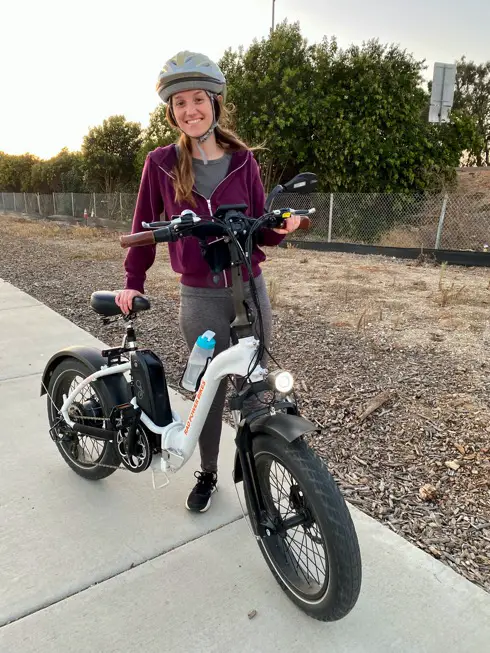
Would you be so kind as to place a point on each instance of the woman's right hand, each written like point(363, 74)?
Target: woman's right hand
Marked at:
point(124, 299)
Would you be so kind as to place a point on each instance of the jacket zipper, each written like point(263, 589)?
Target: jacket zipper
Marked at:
point(208, 201)
point(210, 207)
point(211, 214)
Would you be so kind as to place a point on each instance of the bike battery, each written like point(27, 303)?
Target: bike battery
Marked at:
point(150, 386)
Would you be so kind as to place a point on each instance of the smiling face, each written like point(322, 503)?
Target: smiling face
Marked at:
point(193, 112)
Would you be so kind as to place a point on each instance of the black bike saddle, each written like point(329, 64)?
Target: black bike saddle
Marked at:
point(103, 302)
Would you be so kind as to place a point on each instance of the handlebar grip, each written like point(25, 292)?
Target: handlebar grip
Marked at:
point(138, 239)
point(305, 223)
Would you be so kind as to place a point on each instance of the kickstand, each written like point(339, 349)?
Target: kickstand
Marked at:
point(159, 487)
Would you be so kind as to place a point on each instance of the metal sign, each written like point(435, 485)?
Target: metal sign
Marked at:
point(442, 96)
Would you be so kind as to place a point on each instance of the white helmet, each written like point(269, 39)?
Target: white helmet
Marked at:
point(190, 70)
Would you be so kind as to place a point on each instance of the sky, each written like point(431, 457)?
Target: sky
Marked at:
point(65, 67)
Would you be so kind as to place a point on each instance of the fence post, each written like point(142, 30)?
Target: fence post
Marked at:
point(39, 204)
point(72, 206)
point(54, 205)
point(25, 202)
point(15, 204)
point(3, 203)
point(120, 205)
point(330, 217)
point(441, 222)
point(95, 208)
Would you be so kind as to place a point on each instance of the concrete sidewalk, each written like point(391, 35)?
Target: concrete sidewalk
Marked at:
point(117, 566)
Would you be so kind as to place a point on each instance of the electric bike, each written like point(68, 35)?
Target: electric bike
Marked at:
point(111, 409)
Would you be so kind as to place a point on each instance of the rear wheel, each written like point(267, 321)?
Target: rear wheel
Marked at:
point(315, 554)
point(93, 459)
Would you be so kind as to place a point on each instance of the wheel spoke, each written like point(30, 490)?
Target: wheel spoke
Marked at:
point(318, 558)
point(293, 558)
point(281, 490)
point(322, 558)
point(313, 559)
point(297, 561)
point(293, 541)
point(281, 493)
point(280, 503)
point(309, 573)
point(93, 449)
point(84, 449)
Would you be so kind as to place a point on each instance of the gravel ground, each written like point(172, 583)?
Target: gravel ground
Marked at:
point(391, 359)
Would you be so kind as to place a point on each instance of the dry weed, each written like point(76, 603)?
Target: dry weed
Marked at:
point(449, 295)
point(369, 316)
point(47, 229)
point(402, 236)
point(273, 290)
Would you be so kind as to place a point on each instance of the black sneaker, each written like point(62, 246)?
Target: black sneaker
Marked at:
point(199, 498)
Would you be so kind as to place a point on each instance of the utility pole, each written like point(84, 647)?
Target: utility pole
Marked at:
point(273, 5)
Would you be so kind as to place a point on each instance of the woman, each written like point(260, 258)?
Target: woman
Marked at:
point(208, 167)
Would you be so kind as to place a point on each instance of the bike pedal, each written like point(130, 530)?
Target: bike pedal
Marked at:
point(122, 415)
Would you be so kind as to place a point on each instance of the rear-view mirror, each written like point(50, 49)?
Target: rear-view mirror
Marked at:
point(305, 182)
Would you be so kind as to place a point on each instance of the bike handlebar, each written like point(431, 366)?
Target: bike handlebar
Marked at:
point(164, 232)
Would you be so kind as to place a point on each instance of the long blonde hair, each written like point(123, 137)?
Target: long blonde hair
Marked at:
point(183, 171)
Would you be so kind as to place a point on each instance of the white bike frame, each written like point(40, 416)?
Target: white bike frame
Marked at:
point(179, 439)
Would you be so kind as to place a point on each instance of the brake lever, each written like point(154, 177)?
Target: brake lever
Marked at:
point(185, 219)
point(287, 213)
point(155, 225)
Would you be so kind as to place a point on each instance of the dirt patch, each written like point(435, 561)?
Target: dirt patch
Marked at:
point(391, 360)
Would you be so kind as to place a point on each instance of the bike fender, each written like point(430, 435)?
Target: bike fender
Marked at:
point(116, 384)
point(282, 425)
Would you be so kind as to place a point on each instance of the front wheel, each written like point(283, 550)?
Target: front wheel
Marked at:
point(315, 557)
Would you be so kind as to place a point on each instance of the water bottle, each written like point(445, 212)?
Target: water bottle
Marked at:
point(198, 360)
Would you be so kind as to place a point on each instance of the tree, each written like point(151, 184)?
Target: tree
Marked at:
point(357, 117)
point(62, 173)
point(157, 134)
point(472, 104)
point(109, 152)
point(270, 85)
point(371, 130)
point(15, 172)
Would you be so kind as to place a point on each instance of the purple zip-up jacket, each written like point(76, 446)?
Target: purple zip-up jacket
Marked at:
point(156, 201)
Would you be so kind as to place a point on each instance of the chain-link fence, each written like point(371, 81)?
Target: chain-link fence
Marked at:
point(88, 207)
point(420, 220)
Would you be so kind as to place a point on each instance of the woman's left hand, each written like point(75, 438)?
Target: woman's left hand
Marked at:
point(290, 224)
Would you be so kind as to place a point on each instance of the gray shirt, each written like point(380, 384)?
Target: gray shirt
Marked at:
point(207, 177)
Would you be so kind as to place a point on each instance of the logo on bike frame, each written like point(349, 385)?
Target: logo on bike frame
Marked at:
point(141, 392)
point(194, 406)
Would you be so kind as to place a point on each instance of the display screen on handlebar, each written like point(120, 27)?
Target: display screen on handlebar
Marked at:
point(206, 229)
point(227, 218)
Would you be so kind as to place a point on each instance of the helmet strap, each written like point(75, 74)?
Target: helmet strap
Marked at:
point(205, 136)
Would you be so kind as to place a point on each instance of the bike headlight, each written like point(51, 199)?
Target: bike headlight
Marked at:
point(281, 381)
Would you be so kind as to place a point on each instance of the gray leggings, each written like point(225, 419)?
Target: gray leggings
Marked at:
point(212, 308)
